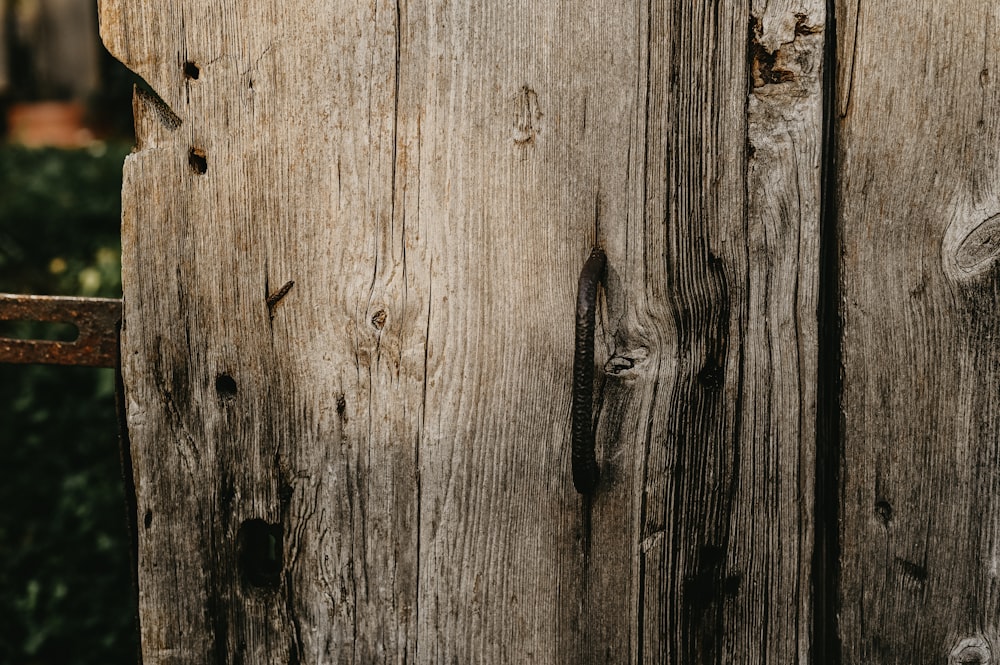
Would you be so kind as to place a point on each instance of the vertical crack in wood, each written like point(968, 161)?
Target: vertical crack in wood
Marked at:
point(286, 492)
point(128, 483)
point(826, 555)
point(296, 650)
point(416, 461)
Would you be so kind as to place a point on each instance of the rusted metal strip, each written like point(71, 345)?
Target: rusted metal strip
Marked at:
point(96, 320)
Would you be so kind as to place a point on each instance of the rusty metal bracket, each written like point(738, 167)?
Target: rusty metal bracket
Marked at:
point(96, 320)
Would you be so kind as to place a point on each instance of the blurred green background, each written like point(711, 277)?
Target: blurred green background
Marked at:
point(65, 585)
point(66, 592)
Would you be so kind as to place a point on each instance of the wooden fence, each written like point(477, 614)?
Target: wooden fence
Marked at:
point(352, 238)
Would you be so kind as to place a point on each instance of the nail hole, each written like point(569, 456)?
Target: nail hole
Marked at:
point(191, 70)
point(148, 519)
point(225, 387)
point(259, 547)
point(198, 161)
point(884, 511)
point(378, 319)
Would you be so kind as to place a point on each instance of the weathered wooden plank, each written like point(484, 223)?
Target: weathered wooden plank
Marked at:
point(271, 163)
point(713, 418)
point(519, 116)
point(690, 366)
point(431, 177)
point(918, 130)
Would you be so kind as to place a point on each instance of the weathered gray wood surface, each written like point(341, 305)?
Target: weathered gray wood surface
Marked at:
point(431, 177)
point(918, 125)
point(711, 433)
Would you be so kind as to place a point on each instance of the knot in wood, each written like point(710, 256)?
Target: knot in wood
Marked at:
point(971, 651)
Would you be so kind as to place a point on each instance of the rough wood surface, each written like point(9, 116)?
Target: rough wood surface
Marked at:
point(709, 408)
point(918, 127)
point(372, 464)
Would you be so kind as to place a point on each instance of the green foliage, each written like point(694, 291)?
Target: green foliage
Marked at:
point(65, 586)
point(59, 217)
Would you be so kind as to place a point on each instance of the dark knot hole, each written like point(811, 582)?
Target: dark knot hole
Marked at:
point(225, 387)
point(260, 553)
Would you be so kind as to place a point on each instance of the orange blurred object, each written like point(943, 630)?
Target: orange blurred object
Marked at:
point(58, 124)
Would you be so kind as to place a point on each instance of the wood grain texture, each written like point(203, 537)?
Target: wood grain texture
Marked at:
point(918, 132)
point(710, 431)
point(431, 176)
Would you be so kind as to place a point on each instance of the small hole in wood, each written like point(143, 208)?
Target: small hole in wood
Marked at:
point(259, 546)
point(198, 161)
point(147, 520)
point(225, 387)
point(378, 319)
point(884, 511)
point(191, 70)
